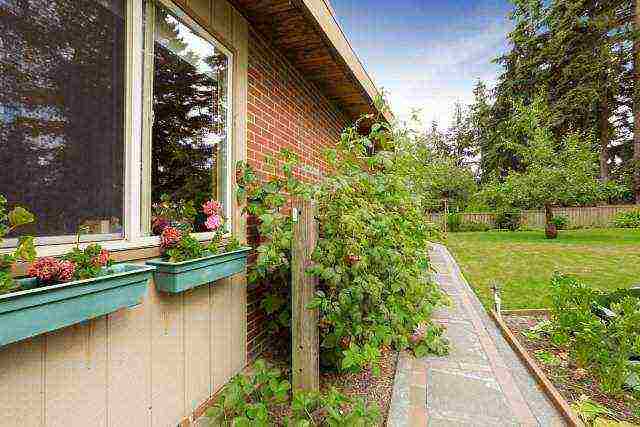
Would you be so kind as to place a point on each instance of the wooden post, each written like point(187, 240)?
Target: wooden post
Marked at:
point(304, 322)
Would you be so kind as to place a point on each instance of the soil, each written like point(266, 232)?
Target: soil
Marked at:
point(571, 380)
point(373, 390)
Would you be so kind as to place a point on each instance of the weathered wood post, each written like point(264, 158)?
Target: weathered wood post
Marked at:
point(304, 322)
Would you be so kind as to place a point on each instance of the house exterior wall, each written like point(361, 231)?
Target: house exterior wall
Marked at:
point(284, 111)
point(153, 364)
point(157, 363)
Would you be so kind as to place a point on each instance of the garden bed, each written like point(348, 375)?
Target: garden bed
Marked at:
point(363, 385)
point(570, 380)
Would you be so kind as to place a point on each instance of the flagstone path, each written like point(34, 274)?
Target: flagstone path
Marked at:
point(482, 382)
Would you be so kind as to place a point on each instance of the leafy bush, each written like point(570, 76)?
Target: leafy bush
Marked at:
point(561, 222)
point(508, 219)
point(252, 400)
point(627, 219)
point(371, 256)
point(454, 222)
point(468, 226)
point(605, 346)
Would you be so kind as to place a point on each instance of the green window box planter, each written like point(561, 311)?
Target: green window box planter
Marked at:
point(176, 277)
point(34, 311)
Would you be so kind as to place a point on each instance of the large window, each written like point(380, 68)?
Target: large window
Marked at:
point(62, 77)
point(190, 132)
point(108, 107)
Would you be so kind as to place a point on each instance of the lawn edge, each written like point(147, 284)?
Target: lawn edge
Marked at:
point(547, 386)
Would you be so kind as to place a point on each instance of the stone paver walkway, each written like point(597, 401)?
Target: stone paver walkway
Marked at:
point(482, 382)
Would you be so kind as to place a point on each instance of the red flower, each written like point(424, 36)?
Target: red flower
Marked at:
point(103, 258)
point(67, 270)
point(353, 259)
point(170, 237)
point(45, 269)
point(50, 270)
point(211, 207)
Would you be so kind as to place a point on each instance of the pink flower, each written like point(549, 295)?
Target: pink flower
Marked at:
point(170, 237)
point(211, 207)
point(103, 258)
point(67, 270)
point(213, 222)
point(45, 269)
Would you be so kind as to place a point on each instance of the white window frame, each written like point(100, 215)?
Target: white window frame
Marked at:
point(134, 206)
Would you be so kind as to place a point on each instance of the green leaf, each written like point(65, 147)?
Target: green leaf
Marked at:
point(26, 250)
point(20, 216)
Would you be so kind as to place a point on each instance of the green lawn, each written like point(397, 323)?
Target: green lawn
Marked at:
point(523, 262)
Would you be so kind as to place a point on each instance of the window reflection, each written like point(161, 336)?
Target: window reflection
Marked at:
point(61, 113)
point(190, 116)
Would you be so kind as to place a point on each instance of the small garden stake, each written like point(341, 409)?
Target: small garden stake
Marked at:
point(497, 299)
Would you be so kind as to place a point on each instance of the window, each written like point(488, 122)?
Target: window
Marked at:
point(62, 77)
point(79, 115)
point(190, 132)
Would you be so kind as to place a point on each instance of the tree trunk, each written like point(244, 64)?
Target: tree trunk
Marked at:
point(604, 137)
point(550, 230)
point(636, 109)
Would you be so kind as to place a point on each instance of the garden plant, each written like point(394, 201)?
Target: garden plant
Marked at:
point(371, 258)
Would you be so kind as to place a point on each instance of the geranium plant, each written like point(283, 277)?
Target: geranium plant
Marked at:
point(178, 244)
point(79, 264)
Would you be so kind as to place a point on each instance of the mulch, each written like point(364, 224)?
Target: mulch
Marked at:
point(571, 380)
point(372, 389)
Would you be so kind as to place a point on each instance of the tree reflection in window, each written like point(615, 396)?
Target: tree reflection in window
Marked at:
point(190, 115)
point(61, 112)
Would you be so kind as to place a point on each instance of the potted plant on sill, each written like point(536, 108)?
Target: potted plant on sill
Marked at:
point(187, 263)
point(81, 285)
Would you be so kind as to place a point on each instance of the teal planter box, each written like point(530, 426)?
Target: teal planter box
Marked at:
point(34, 311)
point(176, 277)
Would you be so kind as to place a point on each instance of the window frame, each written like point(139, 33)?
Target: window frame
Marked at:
point(137, 140)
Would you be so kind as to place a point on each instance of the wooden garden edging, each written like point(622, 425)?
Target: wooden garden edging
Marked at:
point(559, 402)
point(304, 322)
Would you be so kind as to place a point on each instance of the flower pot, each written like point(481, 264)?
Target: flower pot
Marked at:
point(176, 277)
point(34, 311)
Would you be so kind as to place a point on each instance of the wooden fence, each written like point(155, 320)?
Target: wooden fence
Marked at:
point(579, 217)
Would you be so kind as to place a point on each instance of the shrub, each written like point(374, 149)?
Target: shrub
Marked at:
point(254, 400)
point(474, 226)
point(561, 222)
point(629, 219)
point(508, 219)
point(371, 257)
point(454, 222)
point(604, 346)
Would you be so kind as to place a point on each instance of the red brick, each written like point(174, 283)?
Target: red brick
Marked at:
point(283, 111)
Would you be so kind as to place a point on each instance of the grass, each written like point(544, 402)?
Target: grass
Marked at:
point(523, 262)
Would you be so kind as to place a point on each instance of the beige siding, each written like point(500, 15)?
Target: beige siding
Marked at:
point(150, 365)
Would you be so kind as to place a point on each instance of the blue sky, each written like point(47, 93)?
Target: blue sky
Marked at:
point(427, 54)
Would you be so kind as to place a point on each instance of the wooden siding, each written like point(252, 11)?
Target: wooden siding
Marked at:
point(154, 364)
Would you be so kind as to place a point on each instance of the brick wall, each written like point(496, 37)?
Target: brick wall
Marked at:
point(283, 111)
